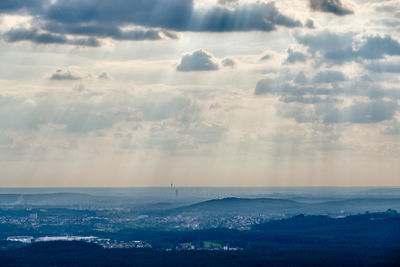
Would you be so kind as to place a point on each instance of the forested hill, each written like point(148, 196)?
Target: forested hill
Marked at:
point(363, 240)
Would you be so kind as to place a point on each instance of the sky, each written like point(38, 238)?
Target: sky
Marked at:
point(199, 93)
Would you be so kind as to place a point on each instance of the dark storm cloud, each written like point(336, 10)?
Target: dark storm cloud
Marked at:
point(14, 6)
point(18, 35)
point(339, 47)
point(33, 35)
point(173, 14)
point(110, 31)
point(104, 18)
point(199, 60)
point(178, 15)
point(331, 6)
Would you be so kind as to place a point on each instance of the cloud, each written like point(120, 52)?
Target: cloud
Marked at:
point(167, 14)
point(246, 17)
point(375, 47)
point(297, 112)
point(327, 112)
point(104, 75)
point(361, 112)
point(310, 24)
point(228, 62)
point(61, 75)
point(199, 60)
point(295, 56)
point(5, 140)
point(300, 85)
point(329, 76)
point(79, 88)
point(178, 15)
point(341, 47)
point(228, 2)
point(392, 67)
point(141, 35)
point(138, 20)
point(162, 120)
point(388, 7)
point(269, 86)
point(164, 106)
point(283, 88)
point(331, 6)
point(265, 57)
point(91, 42)
point(13, 6)
point(205, 134)
point(37, 37)
point(84, 120)
point(109, 31)
point(309, 99)
point(393, 128)
point(332, 46)
point(301, 78)
point(105, 19)
point(82, 114)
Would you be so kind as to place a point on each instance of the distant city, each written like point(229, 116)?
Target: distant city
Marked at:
point(160, 219)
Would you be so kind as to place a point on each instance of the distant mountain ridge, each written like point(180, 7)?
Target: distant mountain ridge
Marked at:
point(228, 206)
point(63, 199)
point(233, 205)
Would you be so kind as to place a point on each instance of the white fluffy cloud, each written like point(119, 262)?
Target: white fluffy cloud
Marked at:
point(199, 60)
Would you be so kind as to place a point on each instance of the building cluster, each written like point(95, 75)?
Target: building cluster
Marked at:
point(210, 246)
point(104, 242)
